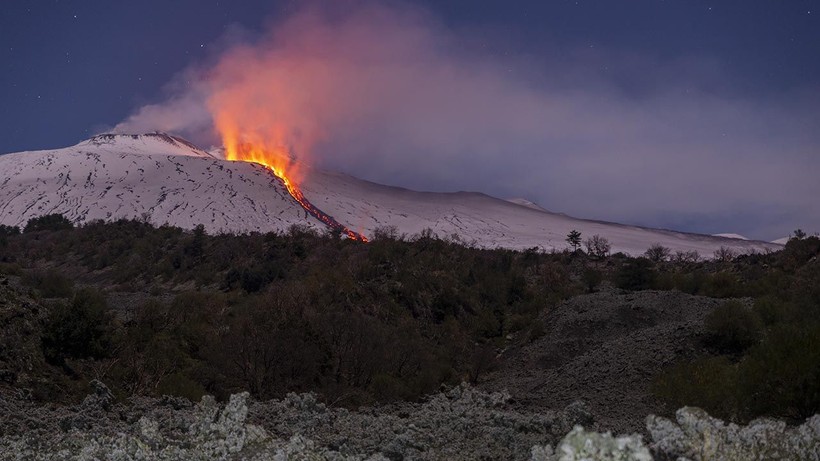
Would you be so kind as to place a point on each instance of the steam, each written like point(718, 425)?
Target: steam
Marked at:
point(389, 94)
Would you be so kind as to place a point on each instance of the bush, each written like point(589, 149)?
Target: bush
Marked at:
point(80, 329)
point(636, 274)
point(657, 253)
point(708, 383)
point(781, 375)
point(49, 222)
point(732, 328)
point(772, 311)
point(591, 278)
point(721, 285)
point(49, 283)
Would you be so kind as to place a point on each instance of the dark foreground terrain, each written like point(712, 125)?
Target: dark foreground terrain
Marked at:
point(110, 331)
point(605, 349)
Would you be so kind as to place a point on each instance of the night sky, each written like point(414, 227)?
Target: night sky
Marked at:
point(696, 115)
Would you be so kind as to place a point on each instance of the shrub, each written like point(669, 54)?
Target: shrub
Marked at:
point(49, 222)
point(708, 383)
point(781, 375)
point(385, 233)
point(772, 311)
point(721, 285)
point(732, 327)
point(49, 283)
point(80, 329)
point(636, 274)
point(591, 278)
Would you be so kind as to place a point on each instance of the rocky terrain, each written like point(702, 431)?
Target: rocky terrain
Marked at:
point(554, 398)
point(604, 348)
point(462, 423)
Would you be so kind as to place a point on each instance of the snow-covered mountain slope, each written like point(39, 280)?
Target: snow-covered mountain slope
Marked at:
point(149, 143)
point(731, 236)
point(154, 176)
point(486, 221)
point(168, 180)
point(526, 203)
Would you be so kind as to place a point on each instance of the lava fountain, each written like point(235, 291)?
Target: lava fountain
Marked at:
point(277, 161)
point(264, 115)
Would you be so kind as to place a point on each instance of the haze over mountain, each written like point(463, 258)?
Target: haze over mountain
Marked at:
point(170, 181)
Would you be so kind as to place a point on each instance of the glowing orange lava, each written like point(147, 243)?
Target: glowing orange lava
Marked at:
point(279, 163)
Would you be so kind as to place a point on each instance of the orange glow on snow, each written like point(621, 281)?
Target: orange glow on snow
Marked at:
point(278, 161)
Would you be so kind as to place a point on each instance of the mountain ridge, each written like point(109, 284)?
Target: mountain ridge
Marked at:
point(115, 176)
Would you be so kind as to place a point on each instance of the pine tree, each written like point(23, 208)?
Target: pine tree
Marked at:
point(574, 239)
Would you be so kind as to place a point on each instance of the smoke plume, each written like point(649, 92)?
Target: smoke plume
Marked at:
point(390, 94)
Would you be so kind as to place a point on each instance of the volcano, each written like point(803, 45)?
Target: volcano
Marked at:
point(168, 180)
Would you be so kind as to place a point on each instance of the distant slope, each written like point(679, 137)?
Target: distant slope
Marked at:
point(487, 221)
point(731, 236)
point(161, 178)
point(169, 180)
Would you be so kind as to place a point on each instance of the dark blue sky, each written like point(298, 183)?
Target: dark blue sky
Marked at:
point(72, 68)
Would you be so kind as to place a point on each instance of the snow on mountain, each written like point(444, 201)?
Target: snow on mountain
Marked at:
point(731, 236)
point(149, 143)
point(169, 180)
point(157, 176)
point(782, 241)
point(526, 203)
point(486, 221)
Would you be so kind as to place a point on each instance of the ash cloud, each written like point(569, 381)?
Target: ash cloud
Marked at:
point(389, 94)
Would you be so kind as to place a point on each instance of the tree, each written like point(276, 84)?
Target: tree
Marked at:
point(49, 222)
point(724, 254)
point(657, 253)
point(798, 234)
point(7, 231)
point(574, 239)
point(687, 256)
point(598, 246)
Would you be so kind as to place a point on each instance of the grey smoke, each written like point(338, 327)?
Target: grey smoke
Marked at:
point(606, 134)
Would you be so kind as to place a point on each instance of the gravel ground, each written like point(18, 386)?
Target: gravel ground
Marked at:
point(603, 349)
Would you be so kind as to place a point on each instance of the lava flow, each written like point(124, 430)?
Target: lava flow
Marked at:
point(277, 163)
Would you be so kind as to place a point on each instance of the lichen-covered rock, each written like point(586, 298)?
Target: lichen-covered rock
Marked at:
point(213, 433)
point(697, 436)
point(460, 424)
point(581, 445)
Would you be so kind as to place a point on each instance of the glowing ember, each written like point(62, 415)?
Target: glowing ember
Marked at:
point(279, 163)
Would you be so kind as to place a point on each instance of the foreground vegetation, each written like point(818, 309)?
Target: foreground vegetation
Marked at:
point(273, 313)
point(159, 310)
